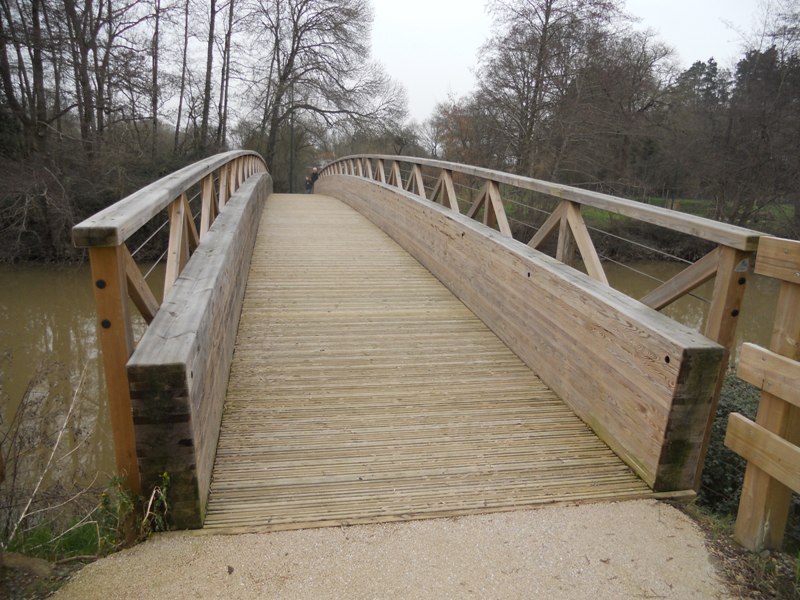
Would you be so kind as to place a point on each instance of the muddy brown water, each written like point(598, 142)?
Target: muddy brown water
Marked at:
point(48, 339)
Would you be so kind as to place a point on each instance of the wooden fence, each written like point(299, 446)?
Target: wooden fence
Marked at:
point(771, 444)
point(117, 277)
point(729, 263)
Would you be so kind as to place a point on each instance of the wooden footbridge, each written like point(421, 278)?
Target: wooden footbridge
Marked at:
point(385, 350)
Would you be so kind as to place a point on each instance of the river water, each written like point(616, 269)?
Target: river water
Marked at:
point(48, 344)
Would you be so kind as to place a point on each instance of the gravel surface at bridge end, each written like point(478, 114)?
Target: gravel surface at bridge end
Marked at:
point(641, 549)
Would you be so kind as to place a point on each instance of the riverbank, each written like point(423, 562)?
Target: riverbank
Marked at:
point(641, 549)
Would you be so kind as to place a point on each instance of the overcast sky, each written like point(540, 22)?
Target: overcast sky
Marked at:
point(431, 46)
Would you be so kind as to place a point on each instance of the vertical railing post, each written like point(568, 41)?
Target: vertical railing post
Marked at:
point(116, 340)
point(209, 207)
point(224, 184)
point(565, 250)
point(733, 269)
point(765, 503)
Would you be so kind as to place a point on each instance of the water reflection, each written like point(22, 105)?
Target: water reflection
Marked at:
point(47, 344)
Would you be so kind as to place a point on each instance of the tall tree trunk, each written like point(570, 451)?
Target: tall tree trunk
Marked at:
point(101, 69)
point(225, 80)
point(531, 122)
point(183, 75)
point(57, 61)
point(154, 91)
point(83, 85)
point(17, 104)
point(207, 88)
point(37, 66)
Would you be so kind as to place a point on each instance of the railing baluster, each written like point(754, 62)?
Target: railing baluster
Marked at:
point(449, 190)
point(565, 250)
point(209, 210)
point(116, 341)
point(733, 269)
point(395, 177)
point(583, 241)
point(138, 290)
point(380, 173)
point(224, 185)
point(178, 252)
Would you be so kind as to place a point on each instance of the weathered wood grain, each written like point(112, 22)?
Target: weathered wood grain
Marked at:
point(767, 451)
point(643, 382)
point(362, 390)
point(779, 258)
point(179, 370)
point(775, 374)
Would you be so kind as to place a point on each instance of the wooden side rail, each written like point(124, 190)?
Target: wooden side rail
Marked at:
point(643, 382)
point(720, 233)
point(116, 276)
point(729, 263)
point(179, 371)
point(771, 444)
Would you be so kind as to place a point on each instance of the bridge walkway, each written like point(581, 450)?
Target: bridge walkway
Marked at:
point(362, 390)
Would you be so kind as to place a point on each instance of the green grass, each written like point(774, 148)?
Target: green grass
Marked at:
point(115, 521)
point(43, 541)
point(100, 531)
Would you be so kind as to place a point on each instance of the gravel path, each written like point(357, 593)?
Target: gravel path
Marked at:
point(641, 549)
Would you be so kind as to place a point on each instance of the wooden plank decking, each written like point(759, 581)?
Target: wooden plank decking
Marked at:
point(362, 390)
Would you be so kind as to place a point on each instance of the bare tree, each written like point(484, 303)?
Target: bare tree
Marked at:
point(528, 64)
point(209, 72)
point(154, 93)
point(21, 30)
point(182, 88)
point(225, 79)
point(430, 134)
point(318, 68)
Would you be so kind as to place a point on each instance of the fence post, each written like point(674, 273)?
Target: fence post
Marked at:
point(116, 340)
point(765, 502)
point(733, 269)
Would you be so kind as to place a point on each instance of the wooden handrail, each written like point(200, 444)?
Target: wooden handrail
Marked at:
point(115, 224)
point(117, 278)
point(707, 229)
point(729, 263)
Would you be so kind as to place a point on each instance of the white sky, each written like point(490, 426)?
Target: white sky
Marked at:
point(431, 46)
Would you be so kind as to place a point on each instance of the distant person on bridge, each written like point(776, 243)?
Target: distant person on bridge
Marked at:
point(314, 177)
point(309, 185)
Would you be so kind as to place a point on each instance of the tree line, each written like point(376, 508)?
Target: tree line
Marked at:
point(567, 91)
point(100, 97)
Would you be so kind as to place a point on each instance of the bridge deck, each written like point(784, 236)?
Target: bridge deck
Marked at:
point(362, 390)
